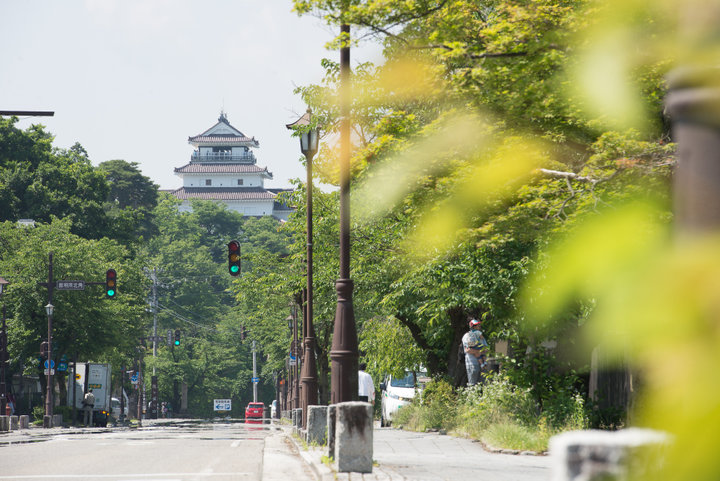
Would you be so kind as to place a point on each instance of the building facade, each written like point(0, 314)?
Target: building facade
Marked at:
point(223, 168)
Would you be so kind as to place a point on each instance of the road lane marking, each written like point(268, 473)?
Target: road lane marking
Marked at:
point(235, 444)
point(122, 477)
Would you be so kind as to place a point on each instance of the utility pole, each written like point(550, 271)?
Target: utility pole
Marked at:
point(254, 374)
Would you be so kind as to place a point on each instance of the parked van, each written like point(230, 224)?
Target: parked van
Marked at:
point(399, 392)
point(115, 408)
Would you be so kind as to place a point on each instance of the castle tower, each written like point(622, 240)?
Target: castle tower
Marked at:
point(222, 168)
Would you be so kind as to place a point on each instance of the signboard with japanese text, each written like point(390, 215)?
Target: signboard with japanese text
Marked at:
point(70, 285)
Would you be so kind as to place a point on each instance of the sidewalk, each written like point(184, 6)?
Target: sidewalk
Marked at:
point(404, 455)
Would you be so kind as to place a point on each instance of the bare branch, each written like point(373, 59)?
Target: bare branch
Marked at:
point(567, 175)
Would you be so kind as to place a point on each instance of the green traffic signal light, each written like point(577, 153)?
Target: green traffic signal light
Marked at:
point(110, 283)
point(234, 258)
point(177, 337)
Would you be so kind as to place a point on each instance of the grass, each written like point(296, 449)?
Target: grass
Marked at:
point(500, 415)
point(514, 436)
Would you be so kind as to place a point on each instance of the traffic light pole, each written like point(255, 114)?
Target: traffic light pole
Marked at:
point(50, 284)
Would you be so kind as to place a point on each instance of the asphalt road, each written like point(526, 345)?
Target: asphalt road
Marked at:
point(168, 451)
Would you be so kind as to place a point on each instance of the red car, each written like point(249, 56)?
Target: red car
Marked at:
point(254, 413)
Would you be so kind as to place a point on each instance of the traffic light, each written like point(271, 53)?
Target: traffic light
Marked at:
point(44, 349)
point(111, 283)
point(234, 258)
point(177, 337)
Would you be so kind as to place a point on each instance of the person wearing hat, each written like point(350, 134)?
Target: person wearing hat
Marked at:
point(474, 345)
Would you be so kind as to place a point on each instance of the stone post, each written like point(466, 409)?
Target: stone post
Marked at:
point(24, 421)
point(609, 455)
point(354, 437)
point(317, 424)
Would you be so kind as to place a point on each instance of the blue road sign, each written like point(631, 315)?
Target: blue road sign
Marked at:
point(49, 364)
point(256, 379)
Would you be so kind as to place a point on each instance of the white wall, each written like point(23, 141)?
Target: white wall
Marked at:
point(223, 180)
point(253, 207)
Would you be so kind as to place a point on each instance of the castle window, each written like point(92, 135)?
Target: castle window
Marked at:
point(240, 182)
point(208, 182)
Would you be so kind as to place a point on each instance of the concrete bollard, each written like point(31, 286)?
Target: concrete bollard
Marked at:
point(4, 423)
point(24, 421)
point(57, 421)
point(354, 437)
point(47, 421)
point(317, 425)
point(13, 423)
point(589, 455)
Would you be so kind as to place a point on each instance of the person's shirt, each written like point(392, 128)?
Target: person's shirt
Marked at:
point(365, 385)
point(89, 399)
point(474, 340)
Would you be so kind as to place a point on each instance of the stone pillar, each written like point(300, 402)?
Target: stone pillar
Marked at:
point(47, 421)
point(13, 423)
point(593, 455)
point(57, 421)
point(24, 421)
point(4, 423)
point(354, 437)
point(317, 424)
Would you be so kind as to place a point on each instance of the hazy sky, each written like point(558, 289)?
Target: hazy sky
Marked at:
point(133, 79)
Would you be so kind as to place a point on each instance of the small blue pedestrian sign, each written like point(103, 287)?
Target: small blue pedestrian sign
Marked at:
point(62, 366)
point(256, 379)
point(50, 364)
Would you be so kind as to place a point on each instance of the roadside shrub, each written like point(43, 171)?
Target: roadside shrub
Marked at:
point(435, 409)
point(440, 405)
point(38, 413)
point(497, 401)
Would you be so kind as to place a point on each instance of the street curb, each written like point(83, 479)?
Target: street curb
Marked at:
point(313, 458)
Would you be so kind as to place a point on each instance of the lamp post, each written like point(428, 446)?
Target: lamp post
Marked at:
point(3, 353)
point(309, 138)
point(48, 398)
point(344, 351)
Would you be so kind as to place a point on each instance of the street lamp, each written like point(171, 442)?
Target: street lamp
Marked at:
point(344, 350)
point(48, 397)
point(3, 353)
point(309, 138)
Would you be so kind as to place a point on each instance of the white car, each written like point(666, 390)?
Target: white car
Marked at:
point(115, 408)
point(273, 409)
point(399, 392)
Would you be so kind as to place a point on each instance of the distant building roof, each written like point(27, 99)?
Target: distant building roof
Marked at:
point(222, 133)
point(223, 193)
point(220, 168)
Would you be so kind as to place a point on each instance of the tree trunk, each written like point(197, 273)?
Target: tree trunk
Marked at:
point(456, 365)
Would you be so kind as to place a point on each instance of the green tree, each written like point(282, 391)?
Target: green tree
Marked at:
point(38, 181)
point(85, 324)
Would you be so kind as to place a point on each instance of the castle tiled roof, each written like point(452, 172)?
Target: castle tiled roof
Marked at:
point(223, 193)
point(223, 139)
point(220, 168)
point(222, 133)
